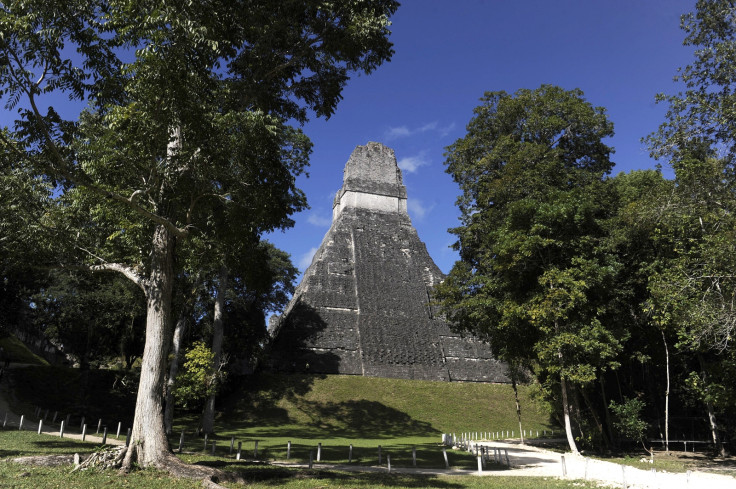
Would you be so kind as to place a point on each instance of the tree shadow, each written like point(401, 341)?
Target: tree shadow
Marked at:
point(359, 419)
point(279, 476)
point(298, 344)
point(290, 352)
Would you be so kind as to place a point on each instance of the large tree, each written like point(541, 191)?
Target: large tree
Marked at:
point(187, 104)
point(532, 279)
point(695, 293)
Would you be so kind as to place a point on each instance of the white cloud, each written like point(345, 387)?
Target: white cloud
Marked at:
point(417, 209)
point(412, 163)
point(306, 258)
point(403, 131)
point(397, 132)
point(444, 131)
point(317, 220)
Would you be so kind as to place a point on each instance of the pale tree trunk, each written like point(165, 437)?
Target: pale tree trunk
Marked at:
point(514, 372)
point(148, 444)
point(208, 416)
point(711, 413)
point(666, 397)
point(566, 412)
point(565, 403)
point(179, 330)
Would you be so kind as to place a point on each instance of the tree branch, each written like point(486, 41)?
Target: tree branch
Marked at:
point(129, 272)
point(86, 182)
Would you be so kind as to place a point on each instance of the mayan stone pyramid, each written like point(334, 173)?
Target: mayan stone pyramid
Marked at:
point(364, 304)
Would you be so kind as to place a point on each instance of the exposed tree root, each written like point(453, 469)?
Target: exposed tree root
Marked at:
point(107, 458)
point(112, 458)
point(45, 460)
point(177, 468)
point(170, 464)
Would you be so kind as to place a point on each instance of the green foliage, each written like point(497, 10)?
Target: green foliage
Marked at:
point(532, 277)
point(199, 378)
point(95, 318)
point(704, 110)
point(628, 419)
point(185, 141)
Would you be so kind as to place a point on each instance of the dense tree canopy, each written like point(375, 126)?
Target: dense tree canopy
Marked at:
point(187, 109)
point(532, 280)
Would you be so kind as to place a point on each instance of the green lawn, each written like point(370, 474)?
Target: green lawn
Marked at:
point(18, 476)
point(338, 411)
point(334, 410)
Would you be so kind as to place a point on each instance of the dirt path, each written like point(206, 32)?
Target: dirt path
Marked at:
point(528, 461)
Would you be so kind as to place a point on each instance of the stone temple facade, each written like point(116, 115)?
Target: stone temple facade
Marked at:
point(364, 304)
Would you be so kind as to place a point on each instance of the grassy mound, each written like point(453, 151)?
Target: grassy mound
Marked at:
point(353, 406)
point(269, 410)
point(19, 352)
point(338, 411)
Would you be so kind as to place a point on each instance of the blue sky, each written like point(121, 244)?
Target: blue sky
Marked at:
point(448, 53)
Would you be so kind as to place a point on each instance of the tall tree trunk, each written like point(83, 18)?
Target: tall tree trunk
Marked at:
point(148, 444)
point(514, 372)
point(179, 331)
point(711, 413)
point(666, 397)
point(577, 418)
point(596, 419)
point(187, 308)
point(208, 416)
point(606, 410)
point(566, 412)
point(566, 404)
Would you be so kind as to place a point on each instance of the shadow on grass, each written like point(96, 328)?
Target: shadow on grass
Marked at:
point(254, 403)
point(277, 476)
point(61, 446)
point(351, 419)
point(428, 456)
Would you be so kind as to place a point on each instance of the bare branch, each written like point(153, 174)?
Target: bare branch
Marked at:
point(129, 272)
